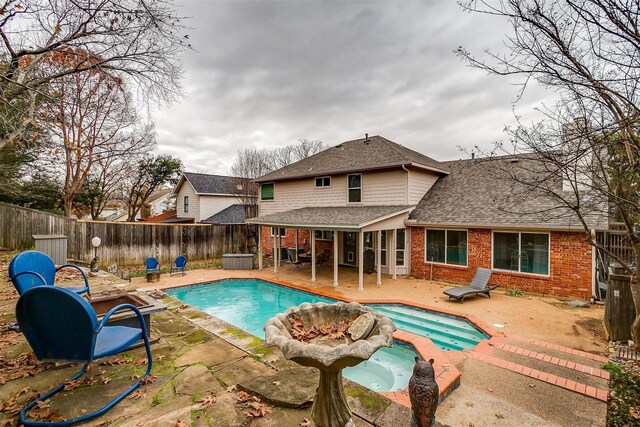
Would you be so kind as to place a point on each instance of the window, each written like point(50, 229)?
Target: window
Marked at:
point(400, 233)
point(446, 246)
point(522, 252)
point(281, 231)
point(324, 181)
point(354, 183)
point(186, 203)
point(266, 191)
point(323, 234)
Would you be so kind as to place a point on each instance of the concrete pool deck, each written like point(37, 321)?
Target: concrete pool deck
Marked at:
point(495, 387)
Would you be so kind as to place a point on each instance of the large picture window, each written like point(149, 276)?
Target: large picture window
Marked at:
point(446, 246)
point(521, 252)
point(400, 244)
point(354, 183)
point(280, 231)
point(266, 191)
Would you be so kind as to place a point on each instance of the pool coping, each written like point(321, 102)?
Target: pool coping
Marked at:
point(447, 375)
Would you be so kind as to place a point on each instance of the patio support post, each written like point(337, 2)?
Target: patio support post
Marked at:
point(275, 252)
point(379, 258)
point(335, 259)
point(297, 244)
point(394, 240)
point(313, 255)
point(259, 247)
point(279, 247)
point(361, 261)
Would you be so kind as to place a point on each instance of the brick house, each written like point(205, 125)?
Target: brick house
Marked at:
point(372, 202)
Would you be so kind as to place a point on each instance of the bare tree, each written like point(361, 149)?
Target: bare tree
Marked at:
point(252, 163)
point(139, 40)
point(114, 167)
point(587, 51)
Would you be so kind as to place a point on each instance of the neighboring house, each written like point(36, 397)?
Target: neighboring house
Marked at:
point(372, 201)
point(160, 201)
point(200, 196)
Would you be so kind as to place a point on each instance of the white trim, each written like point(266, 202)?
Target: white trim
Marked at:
point(272, 234)
point(519, 232)
point(426, 261)
point(274, 192)
point(523, 227)
point(315, 182)
point(359, 188)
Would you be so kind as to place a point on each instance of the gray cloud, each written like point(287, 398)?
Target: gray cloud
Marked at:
point(267, 73)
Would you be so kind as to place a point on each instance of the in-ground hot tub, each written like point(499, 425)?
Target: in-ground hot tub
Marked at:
point(104, 302)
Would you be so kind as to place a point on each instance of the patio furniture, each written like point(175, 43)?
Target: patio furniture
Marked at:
point(478, 285)
point(33, 268)
point(178, 265)
point(153, 269)
point(61, 326)
point(292, 256)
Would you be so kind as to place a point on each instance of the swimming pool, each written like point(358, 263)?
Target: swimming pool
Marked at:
point(249, 303)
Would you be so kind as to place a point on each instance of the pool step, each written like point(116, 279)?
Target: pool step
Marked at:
point(433, 330)
point(429, 316)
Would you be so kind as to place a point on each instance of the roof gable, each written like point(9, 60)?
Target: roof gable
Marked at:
point(354, 156)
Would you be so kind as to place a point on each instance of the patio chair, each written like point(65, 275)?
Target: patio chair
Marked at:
point(178, 265)
point(59, 325)
point(477, 286)
point(34, 268)
point(292, 256)
point(152, 265)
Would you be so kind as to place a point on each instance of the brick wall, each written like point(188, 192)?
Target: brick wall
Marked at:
point(570, 267)
point(289, 241)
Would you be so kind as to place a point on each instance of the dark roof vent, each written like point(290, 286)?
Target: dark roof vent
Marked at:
point(366, 138)
point(514, 160)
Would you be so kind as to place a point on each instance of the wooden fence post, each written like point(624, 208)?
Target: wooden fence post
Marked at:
point(619, 311)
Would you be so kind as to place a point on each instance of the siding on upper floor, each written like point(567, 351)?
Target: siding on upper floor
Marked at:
point(378, 189)
point(194, 204)
point(419, 183)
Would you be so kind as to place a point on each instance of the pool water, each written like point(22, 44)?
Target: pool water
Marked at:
point(249, 303)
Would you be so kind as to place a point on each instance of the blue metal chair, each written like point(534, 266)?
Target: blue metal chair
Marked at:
point(179, 265)
point(152, 265)
point(34, 268)
point(61, 325)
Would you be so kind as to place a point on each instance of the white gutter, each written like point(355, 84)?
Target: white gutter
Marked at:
point(417, 223)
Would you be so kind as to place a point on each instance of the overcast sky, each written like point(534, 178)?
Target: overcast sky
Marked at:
point(267, 73)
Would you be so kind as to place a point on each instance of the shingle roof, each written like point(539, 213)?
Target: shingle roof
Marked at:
point(210, 184)
point(158, 194)
point(480, 193)
point(354, 156)
point(234, 214)
point(330, 217)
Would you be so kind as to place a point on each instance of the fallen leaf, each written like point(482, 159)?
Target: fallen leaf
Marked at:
point(181, 423)
point(138, 394)
point(149, 379)
point(231, 389)
point(305, 422)
point(276, 383)
point(499, 416)
point(207, 401)
point(469, 404)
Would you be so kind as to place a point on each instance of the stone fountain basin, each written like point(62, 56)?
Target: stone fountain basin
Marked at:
point(328, 354)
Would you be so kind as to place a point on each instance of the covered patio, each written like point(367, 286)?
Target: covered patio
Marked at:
point(355, 232)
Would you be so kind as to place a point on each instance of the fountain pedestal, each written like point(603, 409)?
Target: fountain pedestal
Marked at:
point(316, 335)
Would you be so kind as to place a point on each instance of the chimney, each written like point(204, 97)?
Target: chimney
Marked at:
point(366, 138)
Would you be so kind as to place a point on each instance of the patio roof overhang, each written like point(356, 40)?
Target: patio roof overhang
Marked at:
point(344, 218)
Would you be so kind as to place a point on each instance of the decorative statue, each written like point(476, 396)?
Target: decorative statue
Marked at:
point(423, 393)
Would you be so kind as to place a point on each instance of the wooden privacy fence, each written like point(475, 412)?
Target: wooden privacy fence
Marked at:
point(125, 243)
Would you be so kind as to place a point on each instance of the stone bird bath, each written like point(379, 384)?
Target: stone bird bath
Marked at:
point(329, 337)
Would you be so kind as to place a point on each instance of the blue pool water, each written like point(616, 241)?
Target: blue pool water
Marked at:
point(249, 303)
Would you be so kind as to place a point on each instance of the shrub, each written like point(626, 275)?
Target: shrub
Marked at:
point(514, 292)
point(624, 401)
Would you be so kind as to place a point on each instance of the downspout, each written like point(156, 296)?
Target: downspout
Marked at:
point(407, 171)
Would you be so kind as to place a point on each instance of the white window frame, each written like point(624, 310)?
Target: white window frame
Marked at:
point(383, 248)
point(324, 234)
point(493, 232)
point(322, 178)
point(427, 261)
point(185, 204)
point(354, 188)
point(404, 248)
point(282, 231)
point(274, 192)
